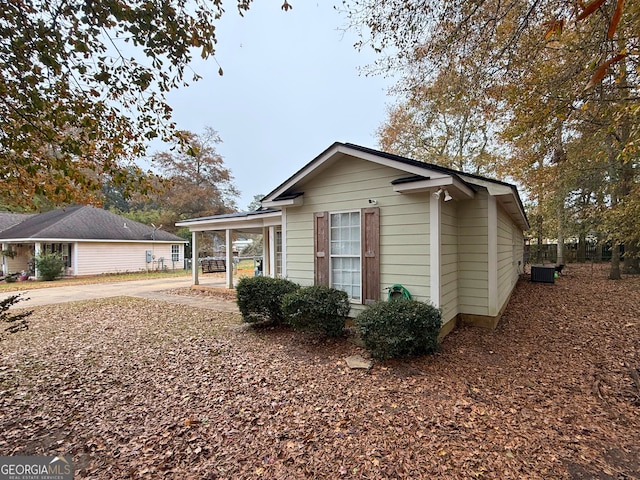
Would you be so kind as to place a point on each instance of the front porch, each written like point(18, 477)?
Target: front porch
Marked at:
point(267, 222)
point(19, 257)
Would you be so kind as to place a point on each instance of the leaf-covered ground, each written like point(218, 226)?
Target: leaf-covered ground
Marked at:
point(138, 389)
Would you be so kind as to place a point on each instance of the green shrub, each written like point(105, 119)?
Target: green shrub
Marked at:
point(398, 328)
point(317, 308)
point(50, 266)
point(11, 278)
point(260, 298)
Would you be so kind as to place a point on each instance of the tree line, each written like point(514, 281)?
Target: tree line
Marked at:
point(544, 92)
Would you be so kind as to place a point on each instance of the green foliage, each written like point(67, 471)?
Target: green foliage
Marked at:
point(50, 266)
point(256, 203)
point(317, 308)
point(398, 328)
point(18, 321)
point(84, 88)
point(260, 298)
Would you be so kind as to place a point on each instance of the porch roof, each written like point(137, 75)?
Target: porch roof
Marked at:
point(248, 222)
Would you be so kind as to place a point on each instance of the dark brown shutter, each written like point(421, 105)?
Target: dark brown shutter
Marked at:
point(321, 248)
point(370, 255)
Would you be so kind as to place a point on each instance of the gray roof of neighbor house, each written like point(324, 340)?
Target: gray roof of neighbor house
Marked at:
point(8, 219)
point(84, 223)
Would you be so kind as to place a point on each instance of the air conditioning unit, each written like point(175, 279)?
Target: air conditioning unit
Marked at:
point(543, 273)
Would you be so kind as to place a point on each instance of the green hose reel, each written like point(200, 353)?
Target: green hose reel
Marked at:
point(397, 291)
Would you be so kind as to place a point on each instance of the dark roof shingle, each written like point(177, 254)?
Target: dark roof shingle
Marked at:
point(8, 219)
point(84, 223)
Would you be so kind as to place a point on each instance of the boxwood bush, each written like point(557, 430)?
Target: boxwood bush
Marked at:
point(317, 308)
point(260, 298)
point(399, 328)
point(50, 266)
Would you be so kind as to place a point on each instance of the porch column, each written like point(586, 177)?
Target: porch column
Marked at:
point(5, 247)
point(229, 261)
point(74, 258)
point(194, 257)
point(272, 251)
point(38, 251)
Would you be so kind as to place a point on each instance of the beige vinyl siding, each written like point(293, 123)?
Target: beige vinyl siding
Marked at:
point(518, 248)
point(507, 263)
point(449, 261)
point(112, 257)
point(404, 223)
point(20, 261)
point(473, 274)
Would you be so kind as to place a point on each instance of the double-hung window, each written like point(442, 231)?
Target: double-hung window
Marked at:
point(345, 251)
point(175, 253)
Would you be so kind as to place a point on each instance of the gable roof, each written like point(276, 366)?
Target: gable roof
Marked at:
point(422, 175)
point(84, 223)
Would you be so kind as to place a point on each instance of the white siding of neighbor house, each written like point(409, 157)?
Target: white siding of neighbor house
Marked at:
point(449, 278)
point(20, 261)
point(473, 273)
point(510, 245)
point(119, 257)
point(404, 223)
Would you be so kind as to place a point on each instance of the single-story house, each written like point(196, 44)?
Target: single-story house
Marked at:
point(91, 240)
point(362, 220)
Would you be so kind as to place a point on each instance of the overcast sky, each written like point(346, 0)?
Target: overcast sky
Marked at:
point(291, 87)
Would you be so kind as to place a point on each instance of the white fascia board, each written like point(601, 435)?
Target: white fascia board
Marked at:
point(283, 203)
point(507, 198)
point(493, 188)
point(311, 167)
point(512, 207)
point(422, 185)
point(380, 160)
point(320, 162)
point(253, 221)
point(456, 188)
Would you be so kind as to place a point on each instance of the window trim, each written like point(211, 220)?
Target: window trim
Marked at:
point(369, 256)
point(359, 256)
point(175, 256)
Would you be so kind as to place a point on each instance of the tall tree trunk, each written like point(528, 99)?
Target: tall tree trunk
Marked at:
point(581, 254)
point(559, 158)
point(622, 169)
point(560, 251)
point(614, 272)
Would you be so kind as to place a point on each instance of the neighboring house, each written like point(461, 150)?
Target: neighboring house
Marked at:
point(362, 220)
point(91, 240)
